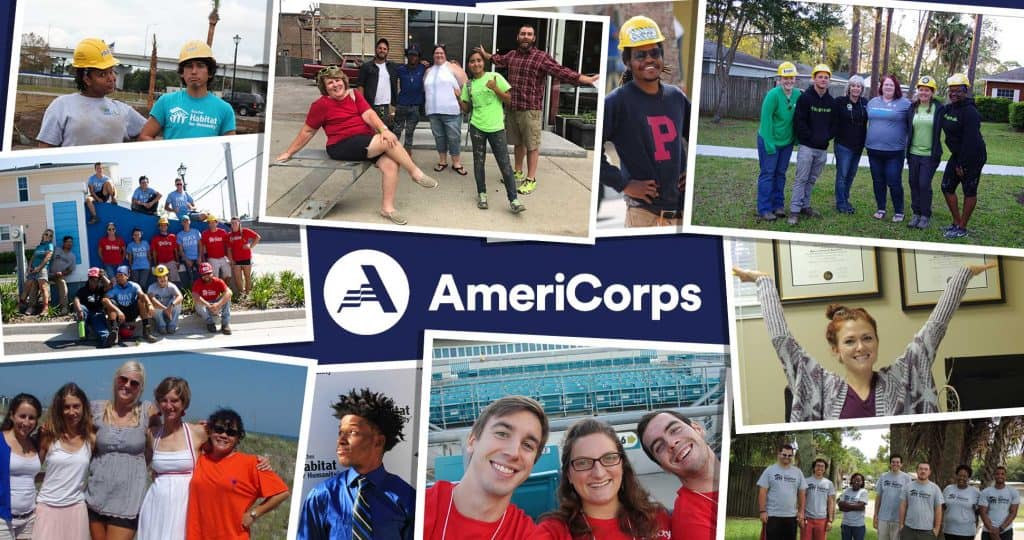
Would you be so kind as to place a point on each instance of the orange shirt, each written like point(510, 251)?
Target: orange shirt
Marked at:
point(221, 493)
point(602, 529)
point(443, 520)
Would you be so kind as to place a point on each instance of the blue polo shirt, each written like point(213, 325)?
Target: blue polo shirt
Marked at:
point(410, 82)
point(327, 512)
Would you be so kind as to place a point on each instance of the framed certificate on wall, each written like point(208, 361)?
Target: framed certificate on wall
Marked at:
point(923, 276)
point(810, 272)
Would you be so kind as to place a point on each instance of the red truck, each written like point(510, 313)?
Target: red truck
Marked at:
point(350, 66)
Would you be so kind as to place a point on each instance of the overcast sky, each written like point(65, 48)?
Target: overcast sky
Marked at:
point(125, 23)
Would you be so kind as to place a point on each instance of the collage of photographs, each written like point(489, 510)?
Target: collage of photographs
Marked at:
point(212, 329)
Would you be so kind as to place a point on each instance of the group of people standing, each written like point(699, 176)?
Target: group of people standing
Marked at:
point(90, 116)
point(892, 129)
point(906, 507)
point(368, 125)
point(95, 458)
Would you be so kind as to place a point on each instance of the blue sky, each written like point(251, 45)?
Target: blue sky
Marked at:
point(268, 395)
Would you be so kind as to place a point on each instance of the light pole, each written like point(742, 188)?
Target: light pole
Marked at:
point(181, 174)
point(234, 69)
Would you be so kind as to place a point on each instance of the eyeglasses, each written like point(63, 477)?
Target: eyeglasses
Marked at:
point(230, 432)
point(610, 459)
point(178, 185)
point(122, 380)
point(642, 55)
point(785, 455)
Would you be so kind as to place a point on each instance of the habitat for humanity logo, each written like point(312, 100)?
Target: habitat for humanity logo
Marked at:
point(366, 292)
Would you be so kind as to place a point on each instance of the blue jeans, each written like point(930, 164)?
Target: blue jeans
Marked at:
point(887, 172)
point(141, 276)
point(165, 323)
point(447, 130)
point(846, 170)
point(111, 270)
point(771, 182)
point(225, 313)
point(190, 274)
point(96, 321)
point(922, 171)
point(406, 118)
point(853, 533)
point(499, 147)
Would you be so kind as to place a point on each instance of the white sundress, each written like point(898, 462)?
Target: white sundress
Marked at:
point(163, 512)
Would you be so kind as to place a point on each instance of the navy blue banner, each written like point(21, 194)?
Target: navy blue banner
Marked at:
point(664, 288)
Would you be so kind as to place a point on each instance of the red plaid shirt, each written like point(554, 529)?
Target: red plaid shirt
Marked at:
point(526, 73)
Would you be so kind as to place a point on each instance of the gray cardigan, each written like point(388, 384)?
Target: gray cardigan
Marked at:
point(904, 387)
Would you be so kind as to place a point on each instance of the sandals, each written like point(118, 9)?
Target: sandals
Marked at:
point(394, 216)
point(460, 169)
point(880, 214)
point(440, 167)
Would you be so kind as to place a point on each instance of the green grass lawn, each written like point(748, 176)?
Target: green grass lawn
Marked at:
point(1002, 143)
point(747, 528)
point(725, 195)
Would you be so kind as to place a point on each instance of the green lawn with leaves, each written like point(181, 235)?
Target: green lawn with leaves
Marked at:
point(747, 528)
point(725, 195)
point(1002, 143)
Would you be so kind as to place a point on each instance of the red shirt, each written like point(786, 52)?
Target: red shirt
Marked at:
point(694, 516)
point(221, 492)
point(166, 247)
point(215, 242)
point(209, 291)
point(439, 509)
point(112, 251)
point(340, 119)
point(240, 244)
point(602, 529)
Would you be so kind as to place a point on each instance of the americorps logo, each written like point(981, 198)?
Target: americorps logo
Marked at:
point(366, 292)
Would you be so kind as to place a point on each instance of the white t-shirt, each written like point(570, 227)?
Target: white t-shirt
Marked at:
point(383, 95)
point(75, 120)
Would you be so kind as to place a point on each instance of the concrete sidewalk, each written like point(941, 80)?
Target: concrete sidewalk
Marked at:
point(248, 328)
point(751, 153)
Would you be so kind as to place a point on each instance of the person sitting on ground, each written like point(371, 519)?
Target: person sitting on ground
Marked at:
point(211, 296)
point(124, 303)
point(145, 199)
point(98, 188)
point(61, 266)
point(166, 299)
point(88, 305)
point(356, 133)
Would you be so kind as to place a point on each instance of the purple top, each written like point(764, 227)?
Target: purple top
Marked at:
point(854, 407)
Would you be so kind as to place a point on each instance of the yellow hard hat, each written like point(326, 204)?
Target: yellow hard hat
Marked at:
point(927, 81)
point(639, 31)
point(211, 218)
point(821, 67)
point(163, 221)
point(787, 69)
point(195, 49)
point(958, 79)
point(93, 53)
point(160, 271)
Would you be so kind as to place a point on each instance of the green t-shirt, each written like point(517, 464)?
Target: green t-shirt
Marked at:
point(921, 144)
point(488, 115)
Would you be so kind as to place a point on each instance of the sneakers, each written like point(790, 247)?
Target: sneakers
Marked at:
point(780, 212)
point(210, 327)
point(527, 185)
point(481, 201)
point(519, 175)
point(111, 338)
point(949, 227)
point(226, 330)
point(516, 206)
point(810, 212)
point(955, 232)
point(794, 218)
point(914, 220)
point(923, 222)
point(896, 218)
point(767, 216)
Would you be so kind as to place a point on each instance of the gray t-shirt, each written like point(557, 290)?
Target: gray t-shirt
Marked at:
point(887, 124)
point(75, 120)
point(889, 487)
point(818, 492)
point(783, 485)
point(164, 295)
point(922, 499)
point(999, 502)
point(958, 518)
point(62, 262)
point(854, 519)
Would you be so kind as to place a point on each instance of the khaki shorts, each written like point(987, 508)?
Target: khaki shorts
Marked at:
point(523, 129)
point(639, 217)
point(221, 267)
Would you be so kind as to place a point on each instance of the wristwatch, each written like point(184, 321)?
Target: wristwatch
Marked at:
point(252, 514)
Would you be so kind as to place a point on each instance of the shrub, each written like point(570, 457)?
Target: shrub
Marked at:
point(1017, 116)
point(993, 109)
point(8, 300)
point(294, 289)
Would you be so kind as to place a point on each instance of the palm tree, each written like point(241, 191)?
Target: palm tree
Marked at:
point(214, 19)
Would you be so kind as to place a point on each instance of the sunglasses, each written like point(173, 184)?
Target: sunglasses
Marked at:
point(653, 54)
point(111, 229)
point(122, 380)
point(223, 430)
point(610, 459)
point(785, 455)
point(178, 185)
